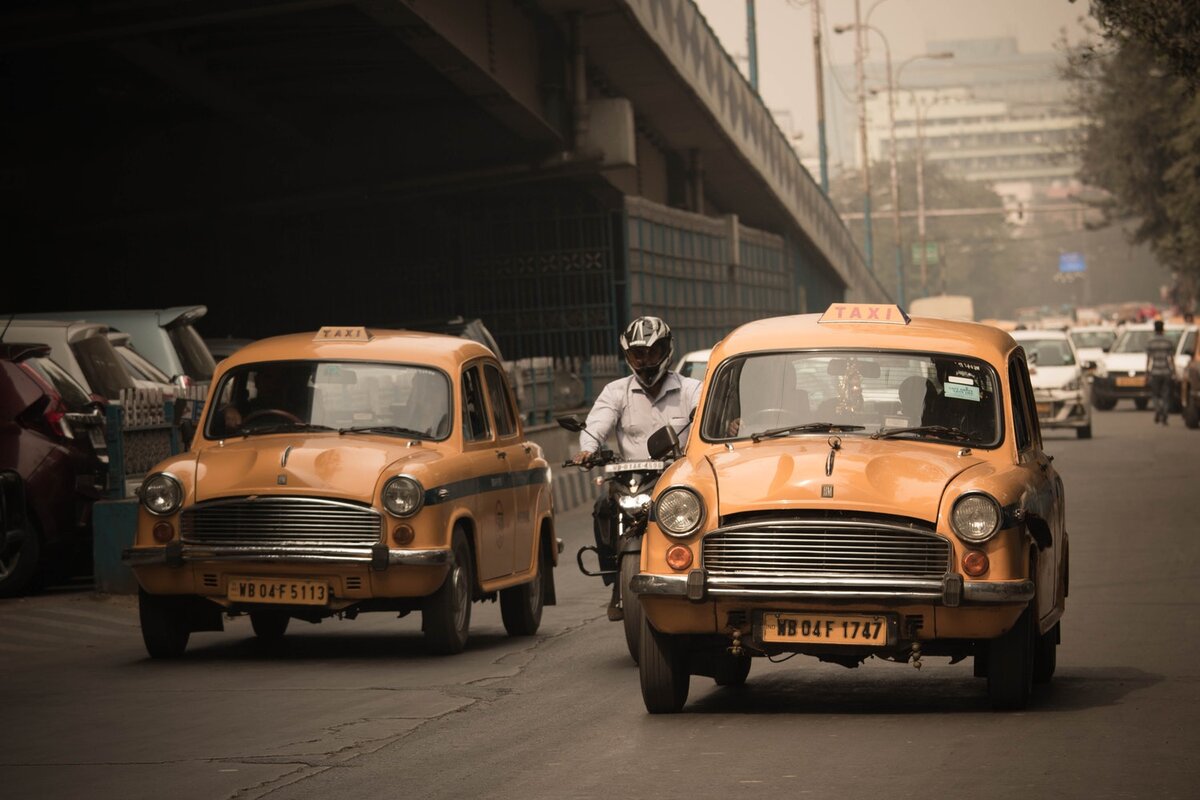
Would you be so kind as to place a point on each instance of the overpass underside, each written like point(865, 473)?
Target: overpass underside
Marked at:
point(553, 167)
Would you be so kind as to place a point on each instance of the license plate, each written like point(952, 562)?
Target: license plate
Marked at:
point(825, 628)
point(1126, 381)
point(635, 466)
point(289, 591)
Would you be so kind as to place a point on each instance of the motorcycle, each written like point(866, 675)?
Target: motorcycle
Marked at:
point(620, 520)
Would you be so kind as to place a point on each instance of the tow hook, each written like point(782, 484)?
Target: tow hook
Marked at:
point(915, 655)
point(735, 643)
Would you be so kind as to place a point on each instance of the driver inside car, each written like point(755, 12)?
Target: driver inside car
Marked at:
point(270, 387)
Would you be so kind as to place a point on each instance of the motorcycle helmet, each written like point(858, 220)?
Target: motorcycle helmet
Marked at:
point(648, 348)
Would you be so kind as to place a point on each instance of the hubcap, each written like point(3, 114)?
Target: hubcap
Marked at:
point(460, 597)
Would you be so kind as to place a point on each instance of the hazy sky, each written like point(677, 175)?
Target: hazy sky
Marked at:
point(785, 61)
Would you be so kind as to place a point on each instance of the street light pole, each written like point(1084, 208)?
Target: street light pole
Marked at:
point(868, 244)
point(822, 153)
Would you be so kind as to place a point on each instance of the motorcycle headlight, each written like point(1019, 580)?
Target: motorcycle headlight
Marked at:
point(403, 496)
point(975, 518)
point(679, 511)
point(162, 494)
point(631, 504)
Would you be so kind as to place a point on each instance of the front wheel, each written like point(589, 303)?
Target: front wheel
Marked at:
point(446, 614)
point(1010, 665)
point(631, 604)
point(663, 670)
point(1045, 655)
point(1191, 413)
point(19, 564)
point(165, 629)
point(521, 606)
point(1103, 403)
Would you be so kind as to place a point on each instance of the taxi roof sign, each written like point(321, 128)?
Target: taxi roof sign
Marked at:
point(342, 333)
point(877, 313)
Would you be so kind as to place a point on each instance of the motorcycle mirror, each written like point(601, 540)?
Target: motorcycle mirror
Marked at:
point(571, 423)
point(663, 442)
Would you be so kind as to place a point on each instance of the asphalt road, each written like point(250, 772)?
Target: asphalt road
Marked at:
point(358, 709)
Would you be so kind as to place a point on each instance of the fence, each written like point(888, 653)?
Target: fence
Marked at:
point(143, 429)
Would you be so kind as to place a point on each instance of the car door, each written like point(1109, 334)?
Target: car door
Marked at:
point(518, 455)
point(494, 498)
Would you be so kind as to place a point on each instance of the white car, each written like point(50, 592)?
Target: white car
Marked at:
point(1092, 341)
point(1060, 388)
point(1121, 374)
point(80, 348)
point(693, 364)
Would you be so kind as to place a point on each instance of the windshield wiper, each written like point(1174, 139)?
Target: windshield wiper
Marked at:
point(396, 430)
point(943, 431)
point(280, 427)
point(810, 427)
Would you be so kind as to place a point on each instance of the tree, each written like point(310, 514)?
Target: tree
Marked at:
point(1168, 28)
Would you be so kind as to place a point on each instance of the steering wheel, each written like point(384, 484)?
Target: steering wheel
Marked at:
point(272, 412)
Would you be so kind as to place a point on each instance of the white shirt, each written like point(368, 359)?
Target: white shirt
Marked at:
point(624, 406)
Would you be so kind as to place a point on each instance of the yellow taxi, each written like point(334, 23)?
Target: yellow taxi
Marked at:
point(857, 484)
point(347, 471)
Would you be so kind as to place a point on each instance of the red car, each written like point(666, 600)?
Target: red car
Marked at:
point(52, 468)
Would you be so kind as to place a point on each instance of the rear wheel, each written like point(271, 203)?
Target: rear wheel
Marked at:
point(165, 629)
point(1142, 403)
point(630, 603)
point(663, 670)
point(269, 626)
point(19, 564)
point(1010, 665)
point(446, 614)
point(521, 606)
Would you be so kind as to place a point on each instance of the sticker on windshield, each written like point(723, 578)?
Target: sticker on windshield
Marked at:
point(960, 379)
point(960, 392)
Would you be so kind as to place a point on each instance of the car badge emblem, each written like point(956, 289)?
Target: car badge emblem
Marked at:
point(281, 480)
point(827, 490)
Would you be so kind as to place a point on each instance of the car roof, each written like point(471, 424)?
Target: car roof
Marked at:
point(435, 349)
point(1039, 333)
point(72, 330)
point(122, 317)
point(803, 331)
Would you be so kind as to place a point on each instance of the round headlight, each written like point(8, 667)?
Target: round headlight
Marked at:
point(162, 494)
point(975, 518)
point(403, 496)
point(679, 511)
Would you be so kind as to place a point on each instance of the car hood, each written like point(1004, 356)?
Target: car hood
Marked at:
point(1125, 362)
point(886, 476)
point(325, 465)
point(1052, 377)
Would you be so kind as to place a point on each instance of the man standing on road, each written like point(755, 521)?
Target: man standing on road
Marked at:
point(1160, 366)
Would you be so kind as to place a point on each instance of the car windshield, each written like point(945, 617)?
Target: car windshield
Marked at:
point(1136, 341)
point(270, 397)
point(1098, 339)
point(694, 369)
point(895, 394)
point(139, 367)
point(74, 396)
point(103, 369)
point(1053, 352)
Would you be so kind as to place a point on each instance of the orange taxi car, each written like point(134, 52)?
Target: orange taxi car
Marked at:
point(349, 471)
point(858, 484)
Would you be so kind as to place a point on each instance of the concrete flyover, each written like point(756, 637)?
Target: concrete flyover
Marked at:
point(552, 167)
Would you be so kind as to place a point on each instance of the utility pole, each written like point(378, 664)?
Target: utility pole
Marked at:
point(921, 194)
point(752, 44)
point(859, 55)
point(822, 153)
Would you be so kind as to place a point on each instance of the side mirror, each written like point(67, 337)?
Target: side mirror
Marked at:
point(663, 443)
point(571, 423)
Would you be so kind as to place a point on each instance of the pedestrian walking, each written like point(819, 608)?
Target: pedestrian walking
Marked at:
point(1160, 367)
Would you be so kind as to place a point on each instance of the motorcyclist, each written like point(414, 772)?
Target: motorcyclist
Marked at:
point(635, 407)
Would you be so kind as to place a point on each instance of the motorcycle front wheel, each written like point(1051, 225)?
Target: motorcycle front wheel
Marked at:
point(631, 564)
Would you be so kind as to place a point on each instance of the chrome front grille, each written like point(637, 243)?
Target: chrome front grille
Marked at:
point(822, 554)
point(281, 522)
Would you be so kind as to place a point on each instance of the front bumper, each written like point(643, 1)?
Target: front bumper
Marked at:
point(379, 557)
point(1062, 409)
point(1121, 385)
point(950, 591)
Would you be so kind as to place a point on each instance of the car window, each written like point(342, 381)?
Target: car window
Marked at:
point(197, 362)
point(694, 369)
point(1136, 341)
point(474, 411)
point(1099, 339)
point(101, 366)
point(1021, 428)
point(502, 410)
point(1188, 345)
point(879, 390)
point(140, 367)
point(1052, 352)
point(74, 396)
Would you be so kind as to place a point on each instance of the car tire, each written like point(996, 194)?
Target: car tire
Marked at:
point(631, 604)
point(1045, 655)
point(1085, 432)
point(165, 629)
point(269, 626)
point(1141, 403)
point(19, 567)
point(1191, 413)
point(732, 670)
point(1010, 665)
point(446, 614)
point(663, 670)
point(1102, 403)
point(521, 606)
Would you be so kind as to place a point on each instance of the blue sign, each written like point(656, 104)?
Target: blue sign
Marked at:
point(1071, 262)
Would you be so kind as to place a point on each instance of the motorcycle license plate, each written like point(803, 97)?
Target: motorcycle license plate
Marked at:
point(288, 591)
point(635, 466)
point(840, 629)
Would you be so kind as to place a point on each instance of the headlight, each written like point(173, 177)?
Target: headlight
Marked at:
point(975, 517)
point(403, 496)
point(679, 511)
point(631, 504)
point(162, 494)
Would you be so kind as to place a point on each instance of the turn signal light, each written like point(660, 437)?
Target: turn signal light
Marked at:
point(679, 557)
point(163, 532)
point(975, 563)
point(403, 534)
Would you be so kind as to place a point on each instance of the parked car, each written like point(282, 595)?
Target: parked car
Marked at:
point(1059, 377)
point(165, 336)
point(1189, 389)
point(145, 375)
point(859, 484)
point(225, 346)
point(82, 349)
point(49, 477)
point(351, 470)
point(693, 364)
point(1121, 374)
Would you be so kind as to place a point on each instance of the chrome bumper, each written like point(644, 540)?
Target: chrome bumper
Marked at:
point(378, 557)
point(949, 591)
